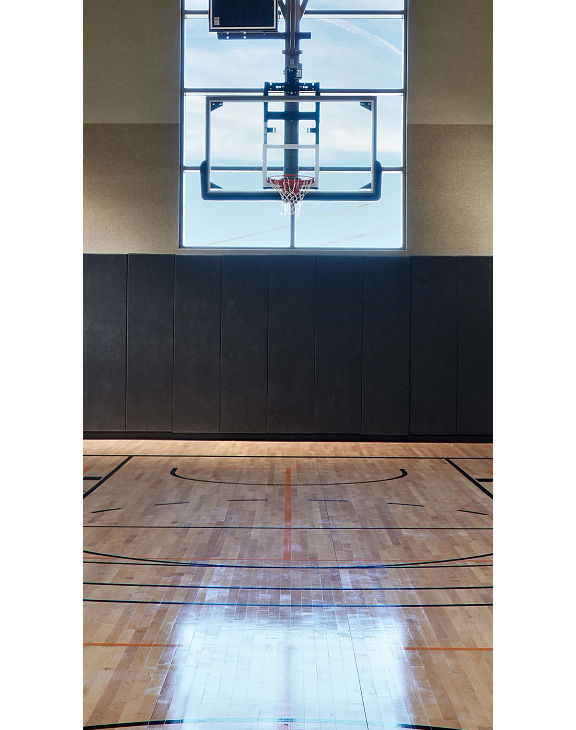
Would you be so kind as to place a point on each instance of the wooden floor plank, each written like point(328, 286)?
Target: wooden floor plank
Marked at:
point(380, 612)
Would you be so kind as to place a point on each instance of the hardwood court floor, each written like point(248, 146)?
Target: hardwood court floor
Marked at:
point(287, 585)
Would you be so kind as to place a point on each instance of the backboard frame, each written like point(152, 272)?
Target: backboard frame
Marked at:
point(210, 191)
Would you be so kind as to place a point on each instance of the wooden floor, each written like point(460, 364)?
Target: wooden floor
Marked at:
point(287, 585)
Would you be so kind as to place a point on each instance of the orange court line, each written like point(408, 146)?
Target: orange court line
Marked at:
point(448, 648)
point(103, 643)
point(287, 555)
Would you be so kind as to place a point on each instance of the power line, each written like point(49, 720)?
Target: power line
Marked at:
point(279, 228)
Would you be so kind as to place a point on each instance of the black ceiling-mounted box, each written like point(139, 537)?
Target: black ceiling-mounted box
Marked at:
point(247, 15)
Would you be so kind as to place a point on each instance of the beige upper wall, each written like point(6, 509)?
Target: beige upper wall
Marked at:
point(131, 61)
point(131, 188)
point(449, 190)
point(450, 62)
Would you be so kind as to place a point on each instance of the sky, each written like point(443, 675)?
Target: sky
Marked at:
point(346, 53)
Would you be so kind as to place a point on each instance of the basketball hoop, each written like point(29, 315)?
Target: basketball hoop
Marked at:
point(292, 189)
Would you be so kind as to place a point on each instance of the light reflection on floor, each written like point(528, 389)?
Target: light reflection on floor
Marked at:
point(319, 666)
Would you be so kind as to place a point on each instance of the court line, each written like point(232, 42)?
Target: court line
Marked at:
point(289, 605)
point(110, 509)
point(288, 588)
point(165, 561)
point(289, 456)
point(111, 473)
point(448, 648)
point(102, 643)
point(173, 473)
point(406, 504)
point(331, 721)
point(286, 525)
point(472, 512)
point(91, 479)
point(471, 479)
point(161, 504)
point(159, 564)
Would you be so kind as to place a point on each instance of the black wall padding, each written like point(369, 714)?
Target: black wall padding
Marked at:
point(475, 345)
point(338, 345)
point(244, 364)
point(434, 350)
point(150, 342)
point(394, 346)
point(197, 297)
point(386, 346)
point(291, 326)
point(105, 342)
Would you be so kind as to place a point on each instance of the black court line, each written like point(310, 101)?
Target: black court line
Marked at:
point(290, 605)
point(111, 473)
point(288, 588)
point(165, 561)
point(403, 473)
point(486, 479)
point(406, 504)
point(258, 720)
point(470, 479)
point(288, 456)
point(111, 509)
point(247, 500)
point(472, 512)
point(160, 504)
point(267, 527)
point(91, 479)
point(160, 564)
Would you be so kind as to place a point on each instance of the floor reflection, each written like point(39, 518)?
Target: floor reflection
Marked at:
point(320, 666)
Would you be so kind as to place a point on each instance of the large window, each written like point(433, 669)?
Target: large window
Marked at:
point(350, 130)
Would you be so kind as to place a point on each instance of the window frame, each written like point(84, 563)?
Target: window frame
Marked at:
point(308, 250)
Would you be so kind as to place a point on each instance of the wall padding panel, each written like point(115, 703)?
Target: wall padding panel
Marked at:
point(105, 343)
point(383, 346)
point(244, 363)
point(197, 295)
point(475, 345)
point(291, 344)
point(338, 345)
point(150, 342)
point(433, 350)
point(386, 346)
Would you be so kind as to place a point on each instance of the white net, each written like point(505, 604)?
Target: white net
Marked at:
point(292, 189)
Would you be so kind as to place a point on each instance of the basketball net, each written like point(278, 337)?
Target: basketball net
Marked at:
point(292, 189)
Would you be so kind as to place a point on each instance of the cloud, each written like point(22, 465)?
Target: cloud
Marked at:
point(357, 30)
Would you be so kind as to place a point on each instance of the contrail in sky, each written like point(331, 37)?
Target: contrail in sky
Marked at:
point(351, 28)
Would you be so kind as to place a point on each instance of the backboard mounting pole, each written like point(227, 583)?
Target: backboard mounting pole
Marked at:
point(292, 74)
